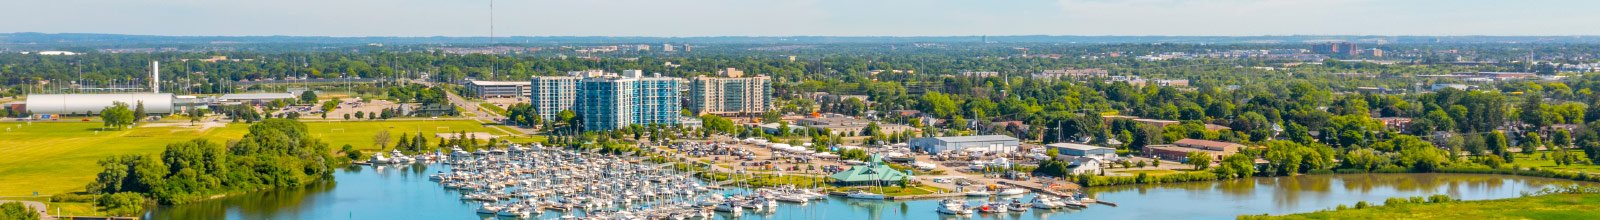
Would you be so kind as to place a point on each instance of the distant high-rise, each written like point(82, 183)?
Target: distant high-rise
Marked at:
point(666, 47)
point(1348, 48)
point(731, 93)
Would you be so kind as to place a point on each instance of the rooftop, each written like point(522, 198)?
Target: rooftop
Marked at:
point(977, 138)
point(1075, 146)
point(1209, 145)
point(253, 96)
point(501, 83)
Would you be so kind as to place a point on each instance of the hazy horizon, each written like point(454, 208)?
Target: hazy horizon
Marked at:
point(840, 18)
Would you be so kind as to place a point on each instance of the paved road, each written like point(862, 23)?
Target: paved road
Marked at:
point(37, 206)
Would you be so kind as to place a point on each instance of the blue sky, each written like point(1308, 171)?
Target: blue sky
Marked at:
point(803, 17)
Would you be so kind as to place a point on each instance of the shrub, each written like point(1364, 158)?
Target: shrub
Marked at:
point(122, 203)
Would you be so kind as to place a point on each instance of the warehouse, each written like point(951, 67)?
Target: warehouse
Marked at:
point(984, 143)
point(90, 104)
point(1084, 150)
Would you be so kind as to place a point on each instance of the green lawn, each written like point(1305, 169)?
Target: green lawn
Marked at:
point(492, 108)
point(1527, 160)
point(1557, 206)
point(893, 190)
point(59, 157)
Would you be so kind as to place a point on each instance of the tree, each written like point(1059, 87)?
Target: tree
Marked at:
point(138, 112)
point(308, 97)
point(117, 115)
point(1200, 160)
point(122, 203)
point(17, 211)
point(1236, 166)
point(195, 115)
point(346, 116)
point(381, 139)
point(1530, 142)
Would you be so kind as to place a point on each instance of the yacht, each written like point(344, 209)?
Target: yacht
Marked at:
point(953, 207)
point(489, 209)
point(1017, 205)
point(1046, 202)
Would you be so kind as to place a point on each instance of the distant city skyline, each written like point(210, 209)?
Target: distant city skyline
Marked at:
point(689, 18)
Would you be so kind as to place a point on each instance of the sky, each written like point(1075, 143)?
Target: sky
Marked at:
point(688, 18)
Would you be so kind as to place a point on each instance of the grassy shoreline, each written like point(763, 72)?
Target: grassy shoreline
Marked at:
point(60, 157)
point(1551, 206)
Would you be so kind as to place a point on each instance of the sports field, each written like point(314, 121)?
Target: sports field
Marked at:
point(59, 157)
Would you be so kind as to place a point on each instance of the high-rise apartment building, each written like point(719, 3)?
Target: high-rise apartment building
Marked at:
point(730, 93)
point(551, 94)
point(614, 101)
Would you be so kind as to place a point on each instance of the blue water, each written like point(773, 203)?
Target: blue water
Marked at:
point(405, 193)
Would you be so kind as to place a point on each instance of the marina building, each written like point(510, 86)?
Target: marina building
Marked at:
point(499, 89)
point(984, 143)
point(1084, 150)
point(875, 172)
point(730, 93)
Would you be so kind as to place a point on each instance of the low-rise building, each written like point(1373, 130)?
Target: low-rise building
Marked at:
point(984, 143)
point(500, 89)
point(1084, 150)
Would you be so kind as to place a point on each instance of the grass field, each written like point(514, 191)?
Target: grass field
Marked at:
point(1532, 160)
point(1557, 206)
point(59, 157)
point(492, 108)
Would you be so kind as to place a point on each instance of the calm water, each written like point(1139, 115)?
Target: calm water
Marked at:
point(406, 193)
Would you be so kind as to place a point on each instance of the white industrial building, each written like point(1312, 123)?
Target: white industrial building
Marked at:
point(500, 89)
point(90, 104)
point(983, 143)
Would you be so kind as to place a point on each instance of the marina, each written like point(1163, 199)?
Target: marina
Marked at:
point(548, 183)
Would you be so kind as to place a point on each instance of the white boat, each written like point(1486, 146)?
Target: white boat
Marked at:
point(1046, 202)
point(1012, 192)
point(1070, 202)
point(489, 209)
point(864, 195)
point(953, 207)
point(1017, 205)
point(800, 199)
point(730, 207)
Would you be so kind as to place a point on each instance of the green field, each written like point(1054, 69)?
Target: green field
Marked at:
point(59, 157)
point(1557, 206)
point(1532, 160)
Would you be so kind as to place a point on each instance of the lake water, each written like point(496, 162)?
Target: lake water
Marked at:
point(406, 193)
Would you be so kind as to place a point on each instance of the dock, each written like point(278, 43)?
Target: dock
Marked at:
point(910, 197)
